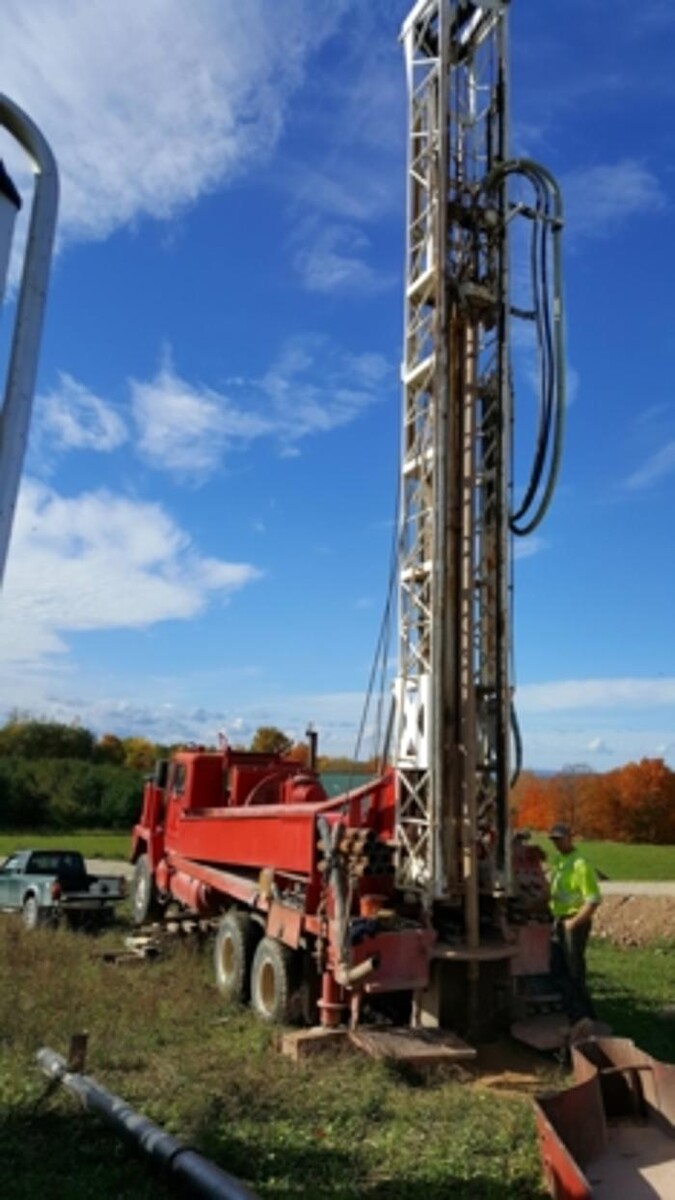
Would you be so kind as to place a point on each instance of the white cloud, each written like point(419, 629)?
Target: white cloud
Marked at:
point(313, 387)
point(599, 198)
point(99, 561)
point(148, 105)
point(186, 429)
point(357, 181)
point(336, 715)
point(660, 464)
point(598, 745)
point(595, 693)
point(553, 748)
point(345, 194)
point(333, 260)
point(529, 546)
point(72, 418)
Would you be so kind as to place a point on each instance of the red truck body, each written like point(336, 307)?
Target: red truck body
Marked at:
point(236, 832)
point(235, 828)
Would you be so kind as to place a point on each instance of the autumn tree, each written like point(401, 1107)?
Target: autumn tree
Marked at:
point(645, 795)
point(109, 749)
point(267, 739)
point(531, 801)
point(568, 791)
point(139, 754)
point(298, 753)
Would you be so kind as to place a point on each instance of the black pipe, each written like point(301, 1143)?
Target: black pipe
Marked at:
point(184, 1165)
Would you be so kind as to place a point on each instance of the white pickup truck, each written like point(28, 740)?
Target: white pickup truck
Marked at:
point(48, 886)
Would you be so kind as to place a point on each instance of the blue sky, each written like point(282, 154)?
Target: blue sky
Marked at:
point(203, 534)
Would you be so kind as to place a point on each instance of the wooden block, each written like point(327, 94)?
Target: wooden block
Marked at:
point(416, 1047)
point(302, 1043)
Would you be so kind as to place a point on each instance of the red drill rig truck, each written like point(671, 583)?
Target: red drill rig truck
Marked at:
point(407, 892)
point(312, 922)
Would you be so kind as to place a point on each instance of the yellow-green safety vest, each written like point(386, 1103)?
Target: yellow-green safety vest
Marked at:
point(573, 884)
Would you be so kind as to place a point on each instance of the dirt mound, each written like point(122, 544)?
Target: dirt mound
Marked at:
point(636, 920)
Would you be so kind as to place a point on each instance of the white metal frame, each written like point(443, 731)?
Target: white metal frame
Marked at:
point(453, 694)
point(20, 385)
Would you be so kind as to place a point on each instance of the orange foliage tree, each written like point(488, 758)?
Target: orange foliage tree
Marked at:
point(299, 753)
point(531, 802)
point(645, 801)
point(635, 803)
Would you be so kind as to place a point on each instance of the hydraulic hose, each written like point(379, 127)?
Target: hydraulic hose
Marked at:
point(549, 211)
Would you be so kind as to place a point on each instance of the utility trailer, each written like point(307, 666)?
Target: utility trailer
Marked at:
point(311, 922)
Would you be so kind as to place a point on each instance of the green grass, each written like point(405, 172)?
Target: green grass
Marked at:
point(91, 844)
point(634, 991)
point(621, 861)
point(340, 1126)
point(616, 859)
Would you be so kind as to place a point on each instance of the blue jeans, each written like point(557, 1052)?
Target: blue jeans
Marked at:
point(568, 969)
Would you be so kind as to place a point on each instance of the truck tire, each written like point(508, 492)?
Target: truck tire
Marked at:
point(30, 913)
point(144, 903)
point(275, 981)
point(235, 945)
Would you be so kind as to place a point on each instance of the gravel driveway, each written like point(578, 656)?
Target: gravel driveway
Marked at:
point(109, 866)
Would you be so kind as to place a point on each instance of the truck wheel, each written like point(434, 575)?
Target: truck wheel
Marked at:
point(31, 913)
point(233, 953)
point(274, 981)
point(143, 895)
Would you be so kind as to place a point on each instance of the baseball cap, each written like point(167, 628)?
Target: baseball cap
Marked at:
point(560, 830)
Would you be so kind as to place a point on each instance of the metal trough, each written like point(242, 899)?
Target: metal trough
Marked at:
point(611, 1134)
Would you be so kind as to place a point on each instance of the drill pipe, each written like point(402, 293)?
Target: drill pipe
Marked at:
point(183, 1164)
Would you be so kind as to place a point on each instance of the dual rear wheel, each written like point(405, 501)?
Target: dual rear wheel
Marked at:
point(256, 968)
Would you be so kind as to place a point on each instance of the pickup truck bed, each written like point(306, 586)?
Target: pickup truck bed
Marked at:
point(49, 885)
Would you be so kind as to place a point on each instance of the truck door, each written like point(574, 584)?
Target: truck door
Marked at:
point(10, 882)
point(175, 792)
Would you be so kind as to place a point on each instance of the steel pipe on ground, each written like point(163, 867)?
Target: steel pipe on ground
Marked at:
point(182, 1164)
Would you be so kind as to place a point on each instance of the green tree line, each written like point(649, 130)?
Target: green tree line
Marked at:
point(57, 776)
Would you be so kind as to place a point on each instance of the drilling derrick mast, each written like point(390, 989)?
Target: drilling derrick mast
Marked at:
point(454, 692)
point(454, 685)
point(396, 897)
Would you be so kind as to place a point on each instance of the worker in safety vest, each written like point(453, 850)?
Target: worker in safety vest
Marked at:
point(574, 897)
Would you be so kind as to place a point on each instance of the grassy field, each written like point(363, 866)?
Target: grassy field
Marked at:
point(337, 1127)
point(634, 990)
point(615, 859)
point(621, 862)
point(92, 844)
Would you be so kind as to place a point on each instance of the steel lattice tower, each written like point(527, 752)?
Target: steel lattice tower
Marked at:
point(453, 689)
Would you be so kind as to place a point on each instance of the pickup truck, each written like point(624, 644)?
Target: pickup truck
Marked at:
point(48, 886)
